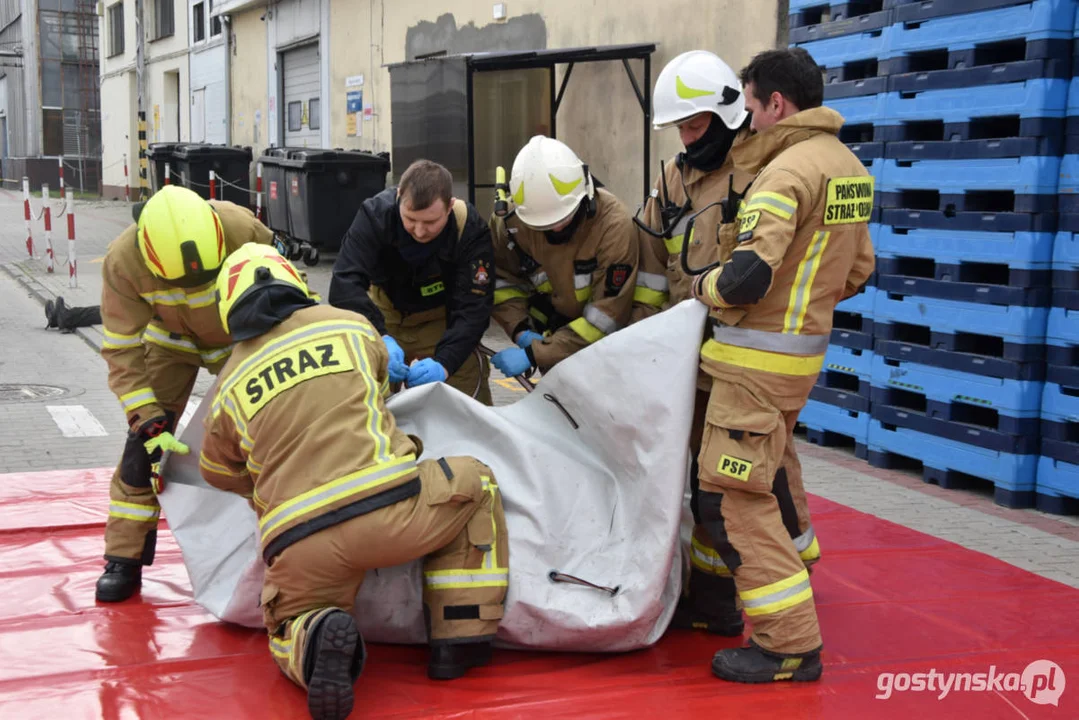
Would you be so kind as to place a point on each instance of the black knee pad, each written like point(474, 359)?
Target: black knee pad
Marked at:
point(710, 504)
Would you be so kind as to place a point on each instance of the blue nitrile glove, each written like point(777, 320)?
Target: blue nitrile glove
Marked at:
point(512, 361)
point(525, 339)
point(398, 369)
point(426, 371)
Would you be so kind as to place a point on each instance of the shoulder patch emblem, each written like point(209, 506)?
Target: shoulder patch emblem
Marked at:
point(480, 274)
point(616, 277)
point(749, 222)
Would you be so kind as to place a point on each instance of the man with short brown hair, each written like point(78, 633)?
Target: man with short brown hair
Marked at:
point(419, 265)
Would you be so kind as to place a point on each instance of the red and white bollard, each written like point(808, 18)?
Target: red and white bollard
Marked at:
point(213, 185)
point(28, 215)
point(127, 183)
point(60, 163)
point(258, 191)
point(168, 174)
point(72, 273)
point(48, 226)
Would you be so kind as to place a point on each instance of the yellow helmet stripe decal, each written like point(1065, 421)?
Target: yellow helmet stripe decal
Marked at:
point(560, 187)
point(686, 92)
point(519, 196)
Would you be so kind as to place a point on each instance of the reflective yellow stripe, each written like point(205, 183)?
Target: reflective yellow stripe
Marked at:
point(674, 244)
point(711, 289)
point(586, 330)
point(812, 552)
point(280, 648)
point(779, 205)
point(169, 298)
point(534, 312)
point(777, 596)
point(460, 579)
point(382, 454)
point(160, 336)
point(208, 464)
point(134, 511)
point(802, 287)
point(797, 365)
point(138, 398)
point(253, 466)
point(118, 341)
point(201, 299)
point(583, 294)
point(339, 489)
point(708, 560)
point(647, 296)
point(509, 293)
point(213, 356)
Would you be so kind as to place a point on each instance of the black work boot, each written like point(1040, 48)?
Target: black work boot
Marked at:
point(711, 606)
point(755, 665)
point(332, 661)
point(54, 310)
point(452, 661)
point(118, 582)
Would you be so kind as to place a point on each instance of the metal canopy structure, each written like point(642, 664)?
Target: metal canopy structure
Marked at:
point(438, 87)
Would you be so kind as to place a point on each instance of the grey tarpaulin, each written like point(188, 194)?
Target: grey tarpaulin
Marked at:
point(602, 501)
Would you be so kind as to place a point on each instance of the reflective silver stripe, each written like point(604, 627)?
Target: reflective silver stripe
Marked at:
point(770, 341)
point(712, 561)
point(762, 199)
point(164, 339)
point(580, 282)
point(137, 399)
point(202, 299)
point(337, 489)
point(117, 341)
point(140, 511)
point(601, 320)
point(467, 578)
point(539, 278)
point(653, 281)
point(777, 596)
point(499, 284)
point(796, 314)
point(680, 226)
point(212, 356)
point(803, 541)
point(165, 297)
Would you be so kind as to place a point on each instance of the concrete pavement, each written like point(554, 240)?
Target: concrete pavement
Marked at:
point(42, 369)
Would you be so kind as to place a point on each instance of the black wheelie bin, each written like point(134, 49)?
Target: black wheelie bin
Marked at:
point(157, 156)
point(231, 164)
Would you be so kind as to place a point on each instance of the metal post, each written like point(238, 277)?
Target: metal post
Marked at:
point(69, 206)
point(28, 215)
point(213, 185)
point(48, 227)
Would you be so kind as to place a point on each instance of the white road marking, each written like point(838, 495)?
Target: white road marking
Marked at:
point(76, 421)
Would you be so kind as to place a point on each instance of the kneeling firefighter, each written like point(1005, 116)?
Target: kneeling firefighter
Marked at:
point(345, 494)
point(565, 256)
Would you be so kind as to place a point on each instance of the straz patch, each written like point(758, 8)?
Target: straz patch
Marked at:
point(616, 277)
point(849, 200)
point(288, 368)
point(480, 273)
point(735, 468)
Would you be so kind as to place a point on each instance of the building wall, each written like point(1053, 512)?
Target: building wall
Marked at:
point(600, 111)
point(250, 120)
point(15, 109)
point(208, 76)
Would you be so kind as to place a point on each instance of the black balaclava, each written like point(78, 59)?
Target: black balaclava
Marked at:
point(263, 309)
point(563, 236)
point(710, 150)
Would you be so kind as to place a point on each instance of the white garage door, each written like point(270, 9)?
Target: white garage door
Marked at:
point(301, 108)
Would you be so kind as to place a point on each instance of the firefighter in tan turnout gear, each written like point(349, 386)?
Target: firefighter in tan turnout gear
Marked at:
point(566, 260)
point(702, 96)
point(298, 427)
point(160, 325)
point(802, 245)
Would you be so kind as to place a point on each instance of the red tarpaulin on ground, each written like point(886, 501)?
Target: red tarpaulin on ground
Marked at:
point(891, 600)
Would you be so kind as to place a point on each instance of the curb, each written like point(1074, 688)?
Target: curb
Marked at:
point(42, 294)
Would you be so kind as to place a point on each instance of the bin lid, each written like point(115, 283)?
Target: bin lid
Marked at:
point(311, 156)
point(273, 155)
point(161, 148)
point(203, 150)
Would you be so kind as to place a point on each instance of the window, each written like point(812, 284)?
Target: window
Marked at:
point(215, 21)
point(198, 22)
point(164, 19)
point(52, 130)
point(116, 29)
point(314, 107)
point(295, 116)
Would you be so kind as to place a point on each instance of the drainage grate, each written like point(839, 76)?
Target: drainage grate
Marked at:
point(10, 393)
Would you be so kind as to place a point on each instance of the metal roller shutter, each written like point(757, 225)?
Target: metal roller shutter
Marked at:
point(301, 109)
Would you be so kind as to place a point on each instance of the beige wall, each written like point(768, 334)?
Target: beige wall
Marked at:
point(249, 77)
point(600, 112)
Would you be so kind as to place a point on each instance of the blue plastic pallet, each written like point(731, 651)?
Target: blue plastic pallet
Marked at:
point(1068, 184)
point(1038, 20)
point(987, 220)
point(1030, 99)
point(952, 464)
point(917, 10)
point(964, 281)
point(1015, 325)
point(1060, 422)
point(1066, 261)
point(1028, 251)
point(1066, 299)
point(986, 137)
point(990, 64)
point(950, 352)
point(1058, 487)
point(865, 150)
point(819, 21)
point(1062, 346)
point(1021, 175)
point(852, 321)
point(844, 379)
point(853, 80)
point(834, 52)
point(859, 110)
point(1013, 398)
point(888, 409)
point(829, 426)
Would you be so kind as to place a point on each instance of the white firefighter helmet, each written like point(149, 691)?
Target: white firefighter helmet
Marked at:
point(548, 182)
point(694, 82)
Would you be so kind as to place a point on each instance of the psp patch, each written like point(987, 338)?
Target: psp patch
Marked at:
point(616, 277)
point(848, 200)
point(735, 468)
point(749, 222)
point(481, 274)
